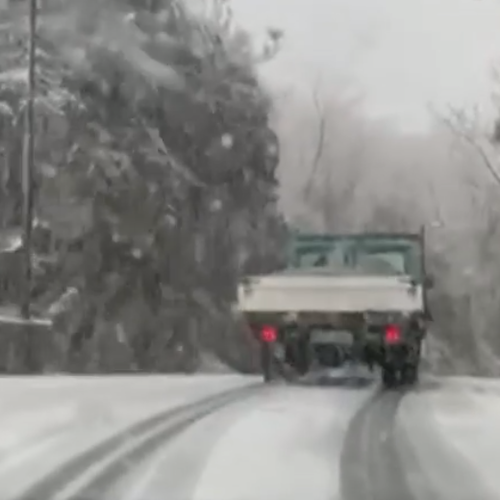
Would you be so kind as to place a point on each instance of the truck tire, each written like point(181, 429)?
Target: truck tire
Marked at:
point(389, 377)
point(410, 375)
point(267, 363)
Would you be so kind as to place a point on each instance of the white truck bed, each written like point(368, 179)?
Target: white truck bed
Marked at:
point(327, 293)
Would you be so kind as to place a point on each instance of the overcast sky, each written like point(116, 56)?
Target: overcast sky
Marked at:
point(401, 54)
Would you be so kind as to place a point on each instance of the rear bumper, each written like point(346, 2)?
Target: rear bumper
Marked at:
point(304, 321)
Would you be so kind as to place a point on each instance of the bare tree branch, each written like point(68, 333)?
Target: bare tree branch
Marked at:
point(457, 125)
point(320, 144)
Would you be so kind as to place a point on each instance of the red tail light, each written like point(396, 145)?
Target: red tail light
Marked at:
point(392, 334)
point(268, 334)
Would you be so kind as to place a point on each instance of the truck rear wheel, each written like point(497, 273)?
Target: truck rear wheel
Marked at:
point(268, 376)
point(389, 376)
point(410, 375)
point(267, 363)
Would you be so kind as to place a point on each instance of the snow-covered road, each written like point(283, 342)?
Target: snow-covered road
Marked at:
point(225, 437)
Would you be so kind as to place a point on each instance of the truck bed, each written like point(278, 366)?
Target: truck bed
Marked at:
point(323, 293)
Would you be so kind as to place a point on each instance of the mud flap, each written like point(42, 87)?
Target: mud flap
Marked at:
point(389, 376)
point(266, 362)
point(273, 364)
point(409, 375)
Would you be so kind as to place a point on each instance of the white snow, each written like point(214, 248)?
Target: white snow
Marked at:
point(285, 448)
point(176, 468)
point(452, 428)
point(282, 443)
point(45, 421)
point(288, 437)
point(209, 363)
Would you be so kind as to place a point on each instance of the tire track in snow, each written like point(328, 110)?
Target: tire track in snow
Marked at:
point(177, 467)
point(371, 468)
point(93, 472)
point(283, 449)
point(381, 459)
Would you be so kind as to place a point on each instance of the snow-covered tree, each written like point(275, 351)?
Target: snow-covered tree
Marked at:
point(155, 168)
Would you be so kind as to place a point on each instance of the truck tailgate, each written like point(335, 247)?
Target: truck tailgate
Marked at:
point(299, 293)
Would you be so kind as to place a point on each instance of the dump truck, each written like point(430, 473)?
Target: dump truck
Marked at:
point(357, 296)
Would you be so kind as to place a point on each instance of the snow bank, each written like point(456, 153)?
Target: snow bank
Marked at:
point(209, 363)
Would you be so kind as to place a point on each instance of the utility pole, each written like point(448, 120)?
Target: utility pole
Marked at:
point(28, 164)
